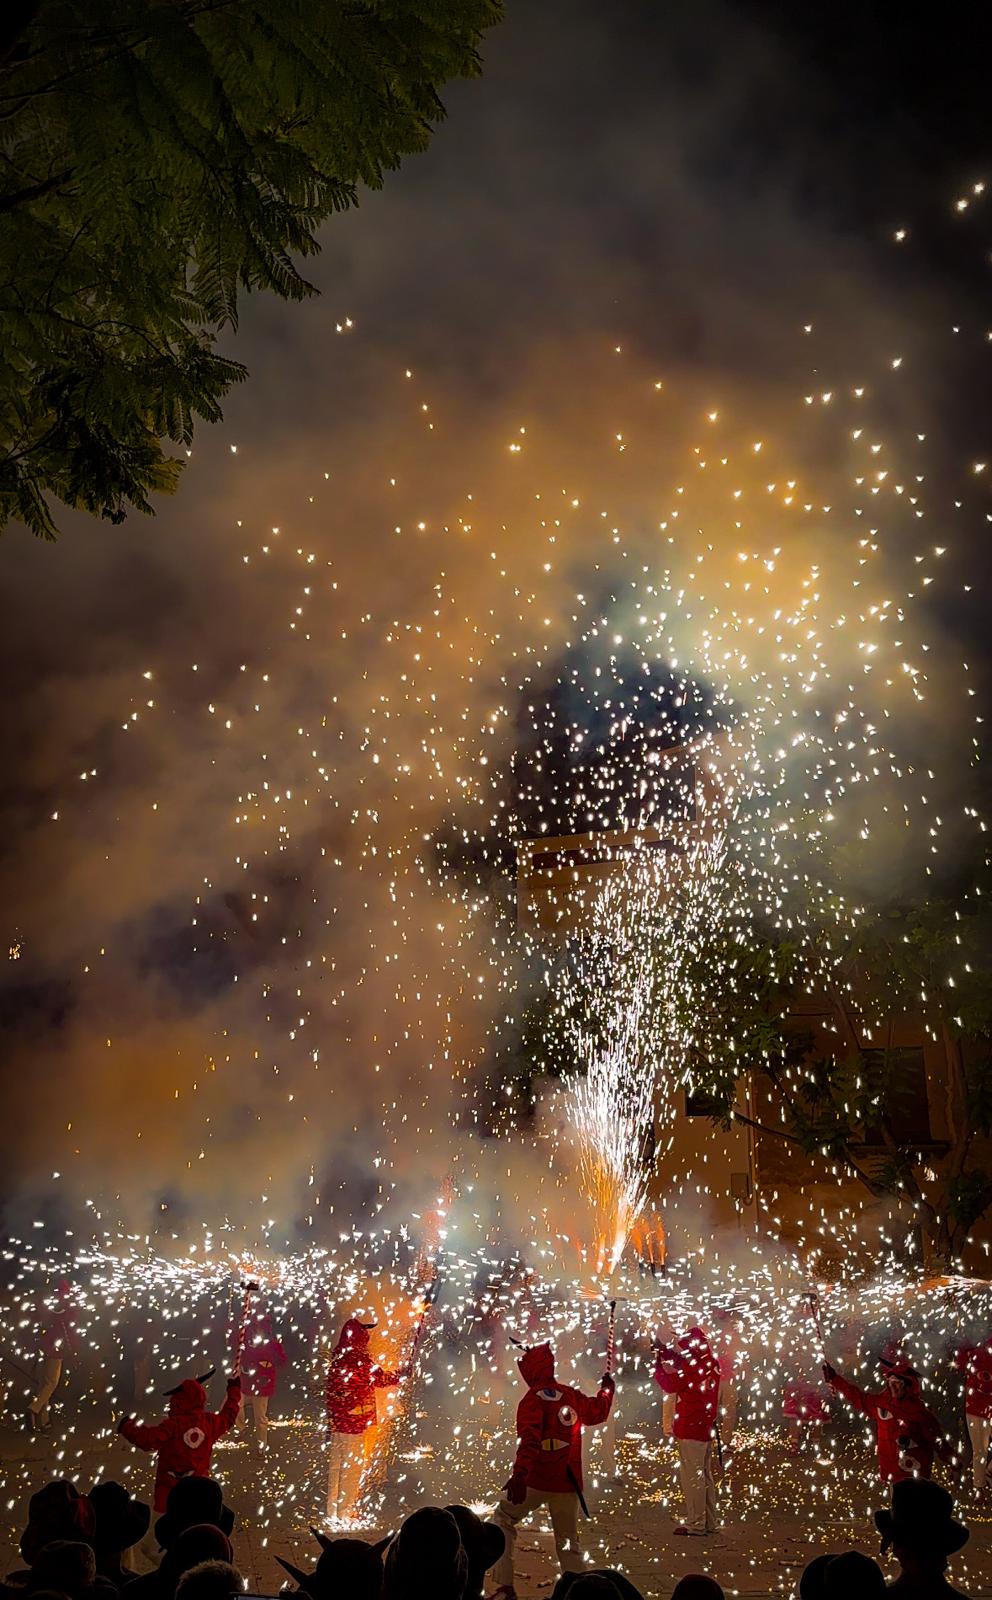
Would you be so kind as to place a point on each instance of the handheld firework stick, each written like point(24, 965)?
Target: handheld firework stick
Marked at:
point(430, 1299)
point(611, 1338)
point(250, 1288)
point(812, 1303)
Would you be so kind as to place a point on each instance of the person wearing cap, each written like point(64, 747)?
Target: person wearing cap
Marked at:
point(349, 1404)
point(691, 1373)
point(185, 1439)
point(547, 1470)
point(908, 1434)
point(922, 1533)
point(975, 1361)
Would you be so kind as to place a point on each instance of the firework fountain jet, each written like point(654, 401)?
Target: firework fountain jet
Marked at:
point(633, 964)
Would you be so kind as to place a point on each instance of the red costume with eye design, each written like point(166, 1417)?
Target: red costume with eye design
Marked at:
point(550, 1419)
point(185, 1439)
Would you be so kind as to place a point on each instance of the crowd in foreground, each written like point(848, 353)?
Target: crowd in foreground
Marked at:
point(81, 1547)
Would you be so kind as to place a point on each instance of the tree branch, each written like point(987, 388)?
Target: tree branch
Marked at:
point(34, 191)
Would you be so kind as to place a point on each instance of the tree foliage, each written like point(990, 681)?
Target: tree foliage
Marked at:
point(835, 1094)
point(159, 157)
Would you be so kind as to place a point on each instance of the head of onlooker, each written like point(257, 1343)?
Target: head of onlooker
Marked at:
point(189, 1549)
point(211, 1580)
point(426, 1560)
point(120, 1522)
point(697, 1586)
point(192, 1503)
point(57, 1511)
point(922, 1532)
point(853, 1576)
point(619, 1584)
point(67, 1566)
point(483, 1544)
point(345, 1567)
point(811, 1582)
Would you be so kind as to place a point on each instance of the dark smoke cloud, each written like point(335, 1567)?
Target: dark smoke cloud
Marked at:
point(238, 989)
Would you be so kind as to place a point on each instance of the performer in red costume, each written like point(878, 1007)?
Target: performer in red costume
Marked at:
point(975, 1361)
point(691, 1372)
point(805, 1410)
point(907, 1432)
point(548, 1466)
point(184, 1441)
point(58, 1340)
point(349, 1400)
point(263, 1356)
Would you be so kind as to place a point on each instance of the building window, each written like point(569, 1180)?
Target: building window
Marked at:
point(904, 1073)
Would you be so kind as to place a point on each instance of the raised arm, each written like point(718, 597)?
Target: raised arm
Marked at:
point(227, 1416)
point(593, 1408)
point(868, 1403)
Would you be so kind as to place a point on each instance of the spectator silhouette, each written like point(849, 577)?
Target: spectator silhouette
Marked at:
point(922, 1533)
point(211, 1580)
point(426, 1560)
point(697, 1586)
point(344, 1566)
point(120, 1523)
point(188, 1549)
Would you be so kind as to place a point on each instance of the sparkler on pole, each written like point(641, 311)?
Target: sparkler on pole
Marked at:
point(250, 1287)
point(811, 1301)
point(611, 1337)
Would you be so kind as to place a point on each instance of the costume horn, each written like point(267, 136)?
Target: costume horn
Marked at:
point(204, 1378)
point(322, 1539)
point(296, 1573)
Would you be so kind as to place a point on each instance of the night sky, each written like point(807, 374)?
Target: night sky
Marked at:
point(630, 189)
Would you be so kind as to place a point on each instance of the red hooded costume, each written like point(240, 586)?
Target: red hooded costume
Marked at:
point(800, 1399)
point(185, 1440)
point(693, 1377)
point(58, 1326)
point(550, 1419)
point(975, 1361)
point(352, 1379)
point(906, 1430)
point(262, 1358)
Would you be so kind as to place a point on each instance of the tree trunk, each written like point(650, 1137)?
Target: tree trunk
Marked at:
point(940, 1246)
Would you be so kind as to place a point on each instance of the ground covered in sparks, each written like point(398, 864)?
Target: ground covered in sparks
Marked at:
point(777, 1511)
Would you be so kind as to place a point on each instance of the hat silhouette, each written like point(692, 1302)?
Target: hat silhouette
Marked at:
point(121, 1521)
point(193, 1501)
point(921, 1518)
point(58, 1511)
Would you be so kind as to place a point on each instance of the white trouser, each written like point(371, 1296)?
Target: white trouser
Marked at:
point(698, 1484)
point(980, 1434)
point(345, 1465)
point(260, 1410)
point(728, 1410)
point(564, 1512)
point(51, 1373)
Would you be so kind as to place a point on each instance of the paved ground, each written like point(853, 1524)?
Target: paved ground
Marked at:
point(777, 1513)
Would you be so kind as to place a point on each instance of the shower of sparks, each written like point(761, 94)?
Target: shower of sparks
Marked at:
point(756, 597)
